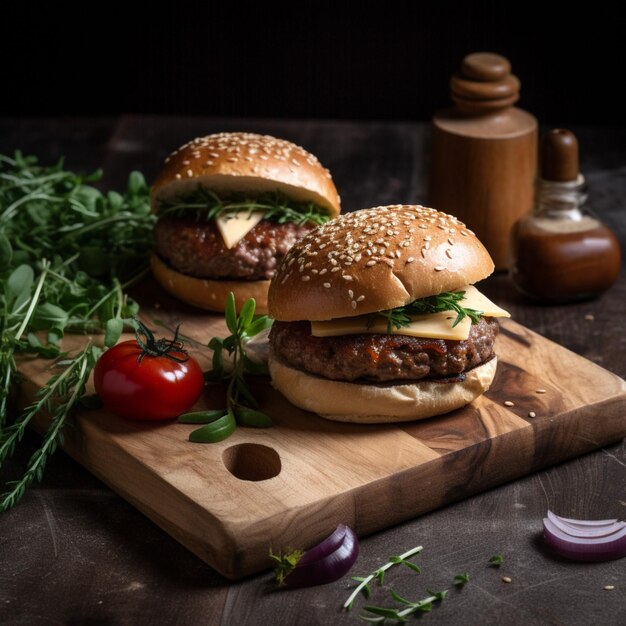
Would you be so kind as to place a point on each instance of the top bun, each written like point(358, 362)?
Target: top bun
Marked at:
point(375, 259)
point(246, 163)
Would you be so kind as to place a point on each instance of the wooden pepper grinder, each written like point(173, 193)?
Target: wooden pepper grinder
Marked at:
point(484, 152)
point(561, 253)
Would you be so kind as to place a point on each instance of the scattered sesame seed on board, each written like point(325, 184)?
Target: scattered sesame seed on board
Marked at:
point(609, 587)
point(507, 579)
point(532, 414)
point(589, 317)
point(509, 403)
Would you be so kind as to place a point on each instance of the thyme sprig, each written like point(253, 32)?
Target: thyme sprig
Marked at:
point(380, 614)
point(379, 575)
point(207, 205)
point(400, 317)
point(241, 405)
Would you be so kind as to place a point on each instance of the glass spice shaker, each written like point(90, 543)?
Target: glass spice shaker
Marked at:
point(560, 252)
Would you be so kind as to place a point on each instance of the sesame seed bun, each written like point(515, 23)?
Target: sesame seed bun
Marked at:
point(208, 294)
point(369, 403)
point(373, 260)
point(237, 164)
point(246, 163)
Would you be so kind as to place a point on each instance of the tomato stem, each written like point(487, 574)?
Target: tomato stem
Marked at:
point(150, 346)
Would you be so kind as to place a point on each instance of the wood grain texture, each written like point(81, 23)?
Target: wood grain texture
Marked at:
point(329, 472)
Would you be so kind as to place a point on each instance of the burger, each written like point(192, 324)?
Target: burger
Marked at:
point(377, 318)
point(229, 207)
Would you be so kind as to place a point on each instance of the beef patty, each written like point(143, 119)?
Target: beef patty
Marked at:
point(196, 248)
point(381, 357)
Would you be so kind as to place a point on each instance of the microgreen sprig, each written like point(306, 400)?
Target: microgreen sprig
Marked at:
point(379, 575)
point(496, 560)
point(207, 205)
point(400, 317)
point(241, 405)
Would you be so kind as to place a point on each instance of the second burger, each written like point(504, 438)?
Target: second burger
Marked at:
point(230, 206)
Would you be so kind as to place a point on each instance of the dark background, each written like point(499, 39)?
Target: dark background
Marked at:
point(304, 59)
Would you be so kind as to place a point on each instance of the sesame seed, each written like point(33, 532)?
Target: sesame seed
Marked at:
point(450, 241)
point(428, 238)
point(350, 294)
point(306, 278)
point(509, 403)
point(189, 173)
point(360, 299)
point(327, 285)
point(178, 176)
point(323, 271)
point(398, 255)
point(185, 162)
point(423, 252)
point(370, 263)
point(609, 587)
point(507, 579)
point(449, 253)
point(410, 260)
point(532, 414)
point(336, 269)
point(353, 303)
point(439, 268)
point(346, 276)
point(541, 391)
point(208, 163)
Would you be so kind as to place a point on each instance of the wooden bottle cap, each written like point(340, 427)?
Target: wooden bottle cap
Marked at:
point(559, 156)
point(484, 84)
point(485, 66)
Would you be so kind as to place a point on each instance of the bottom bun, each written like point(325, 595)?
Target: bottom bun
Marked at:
point(206, 293)
point(378, 403)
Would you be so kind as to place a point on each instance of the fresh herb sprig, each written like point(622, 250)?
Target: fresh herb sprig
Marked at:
point(381, 614)
point(67, 254)
point(207, 205)
point(400, 317)
point(379, 575)
point(496, 560)
point(60, 397)
point(241, 405)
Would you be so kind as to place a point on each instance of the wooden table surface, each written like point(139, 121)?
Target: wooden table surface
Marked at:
point(73, 552)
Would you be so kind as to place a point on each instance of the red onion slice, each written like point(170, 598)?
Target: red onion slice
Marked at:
point(583, 547)
point(584, 529)
point(326, 562)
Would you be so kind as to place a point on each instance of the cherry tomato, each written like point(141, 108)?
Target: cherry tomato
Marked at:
point(153, 387)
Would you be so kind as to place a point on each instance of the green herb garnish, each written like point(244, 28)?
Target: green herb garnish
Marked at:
point(400, 317)
point(207, 205)
point(496, 560)
point(379, 575)
point(285, 564)
point(380, 614)
point(461, 579)
point(241, 406)
point(67, 252)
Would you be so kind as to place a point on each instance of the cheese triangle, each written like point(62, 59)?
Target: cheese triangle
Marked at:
point(235, 226)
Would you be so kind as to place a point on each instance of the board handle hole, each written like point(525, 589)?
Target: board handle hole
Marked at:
point(252, 461)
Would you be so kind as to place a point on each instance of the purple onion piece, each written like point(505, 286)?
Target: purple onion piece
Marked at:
point(583, 529)
point(574, 548)
point(326, 562)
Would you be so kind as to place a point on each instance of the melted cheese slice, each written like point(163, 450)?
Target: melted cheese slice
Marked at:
point(235, 226)
point(473, 299)
point(434, 326)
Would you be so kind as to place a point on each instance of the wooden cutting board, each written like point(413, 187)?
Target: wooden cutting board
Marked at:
point(290, 485)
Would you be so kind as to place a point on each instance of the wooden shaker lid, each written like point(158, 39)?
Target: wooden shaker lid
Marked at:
point(484, 84)
point(559, 156)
